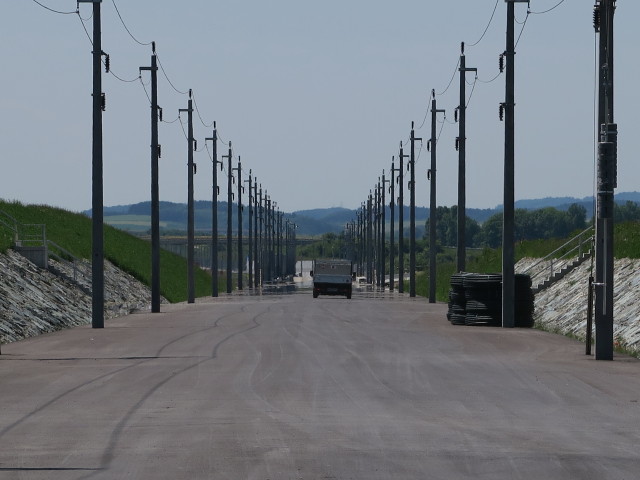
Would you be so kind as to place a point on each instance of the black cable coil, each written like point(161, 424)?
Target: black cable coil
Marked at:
point(476, 299)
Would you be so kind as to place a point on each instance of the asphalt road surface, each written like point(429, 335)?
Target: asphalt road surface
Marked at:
point(288, 388)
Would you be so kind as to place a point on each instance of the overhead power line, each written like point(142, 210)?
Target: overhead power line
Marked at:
point(550, 9)
point(109, 69)
point(206, 125)
point(473, 88)
point(490, 81)
point(167, 77)
point(495, 7)
point(455, 70)
point(127, 28)
point(54, 11)
point(524, 24)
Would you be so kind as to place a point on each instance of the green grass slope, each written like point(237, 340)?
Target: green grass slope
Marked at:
point(72, 231)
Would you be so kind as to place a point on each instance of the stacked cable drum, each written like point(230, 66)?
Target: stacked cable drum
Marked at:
point(484, 299)
point(457, 302)
point(476, 299)
point(524, 307)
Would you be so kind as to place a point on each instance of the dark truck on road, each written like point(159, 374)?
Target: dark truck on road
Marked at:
point(332, 277)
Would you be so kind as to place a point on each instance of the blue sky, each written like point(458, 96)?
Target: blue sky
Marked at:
point(315, 97)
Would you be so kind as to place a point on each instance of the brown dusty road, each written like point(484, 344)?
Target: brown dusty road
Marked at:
point(288, 387)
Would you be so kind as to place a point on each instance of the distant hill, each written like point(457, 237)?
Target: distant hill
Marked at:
point(173, 216)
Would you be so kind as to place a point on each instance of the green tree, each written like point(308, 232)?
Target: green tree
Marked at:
point(447, 228)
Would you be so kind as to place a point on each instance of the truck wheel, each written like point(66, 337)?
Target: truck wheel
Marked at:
point(315, 294)
point(349, 296)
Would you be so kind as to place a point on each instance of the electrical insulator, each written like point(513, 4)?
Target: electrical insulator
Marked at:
point(429, 146)
point(195, 168)
point(501, 62)
point(103, 104)
point(429, 174)
point(457, 143)
point(455, 114)
point(195, 145)
point(501, 112)
point(159, 151)
point(160, 113)
point(596, 17)
point(107, 63)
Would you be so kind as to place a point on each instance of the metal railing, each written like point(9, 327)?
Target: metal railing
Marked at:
point(10, 223)
point(24, 234)
point(65, 257)
point(547, 267)
point(31, 235)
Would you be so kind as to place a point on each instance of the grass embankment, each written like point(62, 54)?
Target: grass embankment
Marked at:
point(626, 245)
point(72, 231)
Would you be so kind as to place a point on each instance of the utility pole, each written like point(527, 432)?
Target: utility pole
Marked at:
point(268, 236)
point(383, 255)
point(462, 175)
point(412, 216)
point(392, 207)
point(508, 228)
point(249, 246)
point(97, 214)
point(280, 243)
point(377, 243)
point(261, 236)
point(229, 217)
point(256, 239)
point(190, 219)
point(214, 211)
point(433, 206)
point(155, 191)
point(401, 158)
point(239, 201)
point(363, 239)
point(274, 243)
point(360, 217)
point(369, 239)
point(604, 12)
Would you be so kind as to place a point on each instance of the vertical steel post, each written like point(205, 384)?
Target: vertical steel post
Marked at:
point(249, 245)
point(268, 237)
point(369, 240)
point(433, 205)
point(462, 168)
point(256, 239)
point(508, 229)
point(604, 288)
point(190, 213)
point(606, 167)
point(261, 235)
point(280, 244)
point(229, 219)
point(97, 214)
point(155, 193)
point(412, 216)
point(214, 211)
point(392, 208)
point(383, 240)
point(401, 158)
point(239, 234)
point(376, 216)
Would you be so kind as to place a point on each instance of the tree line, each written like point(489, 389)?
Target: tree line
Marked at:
point(529, 224)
